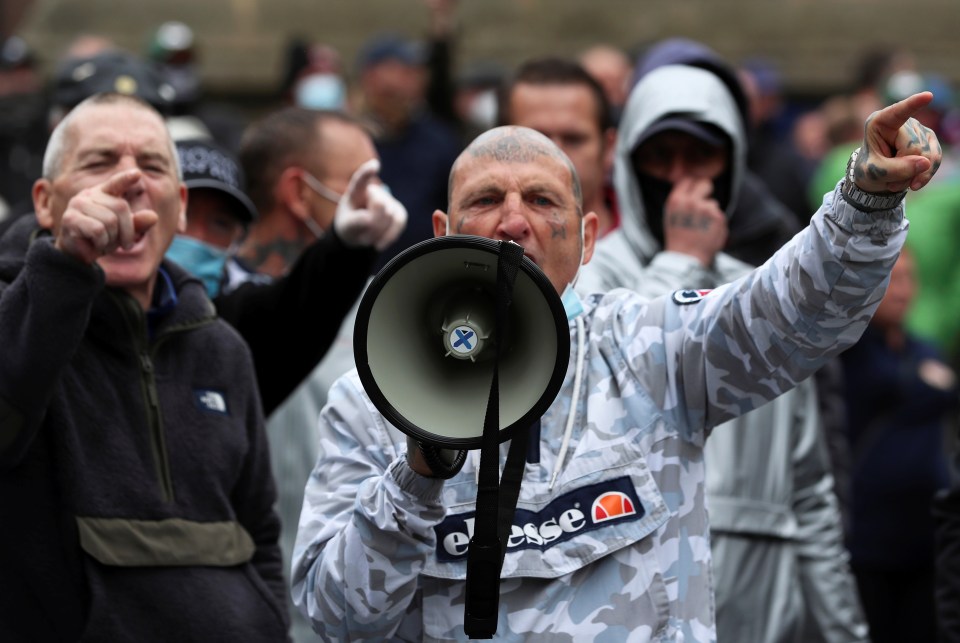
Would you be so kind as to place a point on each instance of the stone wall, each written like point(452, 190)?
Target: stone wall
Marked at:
point(816, 43)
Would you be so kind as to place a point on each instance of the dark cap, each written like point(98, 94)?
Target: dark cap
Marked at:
point(15, 53)
point(207, 165)
point(390, 47)
point(110, 71)
point(707, 133)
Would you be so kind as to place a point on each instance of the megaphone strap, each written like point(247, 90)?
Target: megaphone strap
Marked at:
point(485, 555)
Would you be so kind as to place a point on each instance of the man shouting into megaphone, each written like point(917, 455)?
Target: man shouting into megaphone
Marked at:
point(610, 537)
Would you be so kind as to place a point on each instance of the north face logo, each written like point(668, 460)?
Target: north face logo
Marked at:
point(211, 401)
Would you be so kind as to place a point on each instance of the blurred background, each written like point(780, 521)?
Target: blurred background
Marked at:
point(242, 44)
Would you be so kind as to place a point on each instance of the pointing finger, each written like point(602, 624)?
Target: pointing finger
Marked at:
point(119, 183)
point(893, 116)
point(357, 188)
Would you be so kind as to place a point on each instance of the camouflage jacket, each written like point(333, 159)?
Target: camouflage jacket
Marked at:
point(618, 549)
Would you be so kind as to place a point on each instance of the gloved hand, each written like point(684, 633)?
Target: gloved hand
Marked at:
point(368, 215)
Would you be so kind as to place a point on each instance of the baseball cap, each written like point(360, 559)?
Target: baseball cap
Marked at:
point(15, 53)
point(207, 165)
point(110, 71)
point(390, 47)
point(702, 131)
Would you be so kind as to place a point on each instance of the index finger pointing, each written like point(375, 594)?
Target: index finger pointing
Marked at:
point(119, 183)
point(357, 189)
point(893, 116)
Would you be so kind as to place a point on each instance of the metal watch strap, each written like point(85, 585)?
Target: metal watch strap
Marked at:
point(866, 201)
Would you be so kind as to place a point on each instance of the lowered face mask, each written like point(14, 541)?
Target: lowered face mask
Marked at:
point(203, 261)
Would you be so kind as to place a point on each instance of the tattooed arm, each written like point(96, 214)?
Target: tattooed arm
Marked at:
point(898, 153)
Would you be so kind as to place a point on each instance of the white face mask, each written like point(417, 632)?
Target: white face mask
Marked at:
point(325, 192)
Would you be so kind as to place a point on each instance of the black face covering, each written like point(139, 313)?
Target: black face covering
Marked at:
point(655, 192)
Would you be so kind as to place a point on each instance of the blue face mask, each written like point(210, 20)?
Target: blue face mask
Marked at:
point(200, 259)
point(321, 91)
point(571, 302)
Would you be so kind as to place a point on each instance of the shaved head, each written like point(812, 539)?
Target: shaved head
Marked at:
point(512, 144)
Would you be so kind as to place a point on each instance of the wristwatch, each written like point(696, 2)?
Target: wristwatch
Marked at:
point(867, 201)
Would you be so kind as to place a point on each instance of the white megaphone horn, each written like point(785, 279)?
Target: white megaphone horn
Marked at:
point(425, 342)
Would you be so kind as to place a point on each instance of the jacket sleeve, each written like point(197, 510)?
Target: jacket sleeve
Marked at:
point(829, 589)
point(718, 356)
point(366, 529)
point(44, 314)
point(290, 324)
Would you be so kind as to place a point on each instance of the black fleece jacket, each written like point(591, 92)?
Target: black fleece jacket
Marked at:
point(291, 322)
point(135, 486)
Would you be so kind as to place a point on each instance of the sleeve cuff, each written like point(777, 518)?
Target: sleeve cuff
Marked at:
point(427, 490)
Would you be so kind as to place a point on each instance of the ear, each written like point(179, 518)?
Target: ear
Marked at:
point(182, 218)
point(591, 223)
point(289, 192)
point(42, 197)
point(440, 222)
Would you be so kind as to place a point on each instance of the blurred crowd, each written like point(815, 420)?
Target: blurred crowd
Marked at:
point(262, 197)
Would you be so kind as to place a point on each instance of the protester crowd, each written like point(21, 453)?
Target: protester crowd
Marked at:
point(186, 452)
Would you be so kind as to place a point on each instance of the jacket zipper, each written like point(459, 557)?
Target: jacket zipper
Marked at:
point(137, 323)
point(157, 440)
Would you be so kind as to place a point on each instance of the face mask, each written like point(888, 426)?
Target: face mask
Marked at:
point(200, 259)
point(571, 302)
point(327, 193)
point(321, 91)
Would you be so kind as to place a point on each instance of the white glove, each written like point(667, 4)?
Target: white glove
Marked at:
point(368, 215)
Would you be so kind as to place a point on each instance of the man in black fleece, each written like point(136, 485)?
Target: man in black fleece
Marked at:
point(135, 485)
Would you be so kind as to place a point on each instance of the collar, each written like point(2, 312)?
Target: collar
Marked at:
point(164, 300)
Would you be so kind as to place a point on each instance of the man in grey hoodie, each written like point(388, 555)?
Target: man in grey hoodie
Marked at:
point(778, 556)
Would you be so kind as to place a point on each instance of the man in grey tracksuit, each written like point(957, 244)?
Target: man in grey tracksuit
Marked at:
point(610, 539)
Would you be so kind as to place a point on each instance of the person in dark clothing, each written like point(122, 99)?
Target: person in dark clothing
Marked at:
point(416, 148)
point(946, 513)
point(899, 394)
point(758, 224)
point(135, 485)
point(322, 217)
point(290, 317)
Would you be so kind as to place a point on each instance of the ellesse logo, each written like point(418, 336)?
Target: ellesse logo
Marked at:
point(604, 504)
point(611, 506)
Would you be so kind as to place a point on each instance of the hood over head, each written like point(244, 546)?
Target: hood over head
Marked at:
point(664, 97)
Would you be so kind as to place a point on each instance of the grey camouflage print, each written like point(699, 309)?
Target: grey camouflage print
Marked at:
point(658, 376)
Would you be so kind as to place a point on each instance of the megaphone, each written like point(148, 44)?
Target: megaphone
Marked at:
point(425, 342)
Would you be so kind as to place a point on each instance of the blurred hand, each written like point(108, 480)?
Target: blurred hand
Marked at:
point(897, 152)
point(98, 220)
point(368, 215)
point(693, 223)
point(416, 460)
